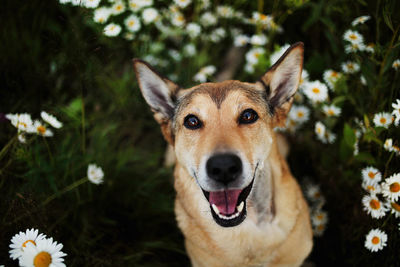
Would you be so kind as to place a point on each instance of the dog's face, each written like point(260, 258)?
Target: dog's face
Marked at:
point(222, 132)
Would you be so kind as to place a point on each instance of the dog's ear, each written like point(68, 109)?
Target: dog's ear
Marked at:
point(160, 93)
point(281, 82)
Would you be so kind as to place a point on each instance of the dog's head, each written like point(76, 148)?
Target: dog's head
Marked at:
point(222, 132)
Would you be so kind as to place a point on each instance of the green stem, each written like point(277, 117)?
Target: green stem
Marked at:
point(5, 149)
point(83, 126)
point(65, 190)
point(387, 164)
point(48, 150)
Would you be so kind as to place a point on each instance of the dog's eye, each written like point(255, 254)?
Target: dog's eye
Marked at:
point(192, 122)
point(248, 116)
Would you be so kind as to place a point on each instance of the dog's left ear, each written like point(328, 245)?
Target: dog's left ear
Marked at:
point(281, 82)
point(160, 93)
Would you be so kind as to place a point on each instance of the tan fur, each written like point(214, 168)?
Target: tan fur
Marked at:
point(277, 230)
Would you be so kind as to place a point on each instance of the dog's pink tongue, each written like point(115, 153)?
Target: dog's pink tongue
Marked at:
point(225, 200)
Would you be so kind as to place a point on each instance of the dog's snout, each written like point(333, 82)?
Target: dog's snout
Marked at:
point(224, 168)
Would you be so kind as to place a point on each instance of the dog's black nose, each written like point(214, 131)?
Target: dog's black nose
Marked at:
point(224, 168)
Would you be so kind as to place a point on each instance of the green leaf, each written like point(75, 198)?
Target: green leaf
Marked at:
point(386, 17)
point(365, 157)
point(349, 135)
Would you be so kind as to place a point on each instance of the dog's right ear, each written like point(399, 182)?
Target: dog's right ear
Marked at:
point(159, 93)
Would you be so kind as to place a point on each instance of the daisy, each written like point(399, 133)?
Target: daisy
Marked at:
point(112, 30)
point(118, 8)
point(132, 23)
point(91, 3)
point(319, 230)
point(277, 54)
point(396, 111)
point(330, 137)
point(371, 175)
point(208, 19)
point(298, 97)
point(189, 50)
point(51, 120)
point(241, 40)
point(22, 121)
point(353, 37)
point(203, 73)
point(375, 240)
point(258, 39)
point(370, 48)
point(331, 77)
point(350, 67)
point(146, 2)
point(135, 5)
point(149, 15)
point(254, 54)
point(372, 188)
point(396, 64)
point(182, 3)
point(388, 145)
point(319, 217)
point(225, 11)
point(95, 174)
point(101, 15)
point(383, 119)
point(360, 20)
point(249, 67)
point(178, 19)
point(193, 29)
point(316, 91)
point(22, 138)
point(331, 110)
point(20, 240)
point(218, 34)
point(264, 20)
point(303, 79)
point(320, 130)
point(373, 206)
point(46, 253)
point(363, 80)
point(391, 187)
point(394, 208)
point(40, 129)
point(353, 48)
point(174, 55)
point(300, 114)
point(313, 193)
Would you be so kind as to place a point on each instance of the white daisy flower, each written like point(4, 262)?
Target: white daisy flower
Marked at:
point(208, 19)
point(175, 55)
point(146, 2)
point(394, 208)
point(182, 3)
point(304, 79)
point(112, 30)
point(189, 50)
point(205, 4)
point(350, 67)
point(331, 77)
point(258, 39)
point(101, 15)
point(319, 217)
point(76, 2)
point(373, 206)
point(331, 110)
point(388, 145)
point(203, 73)
point(178, 19)
point(253, 55)
point(225, 11)
point(40, 129)
point(313, 193)
point(64, 1)
point(118, 7)
point(391, 187)
point(396, 64)
point(95, 174)
point(22, 121)
point(320, 130)
point(371, 187)
point(249, 67)
point(193, 29)
point(371, 175)
point(353, 37)
point(241, 40)
point(319, 230)
point(370, 48)
point(360, 20)
point(363, 80)
point(300, 114)
point(20, 240)
point(150, 15)
point(91, 3)
point(354, 47)
point(51, 120)
point(136, 5)
point(277, 54)
point(316, 91)
point(375, 240)
point(265, 20)
point(383, 119)
point(330, 137)
point(22, 138)
point(396, 111)
point(217, 35)
point(132, 23)
point(46, 253)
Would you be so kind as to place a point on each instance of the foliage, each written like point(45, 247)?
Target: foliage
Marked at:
point(55, 58)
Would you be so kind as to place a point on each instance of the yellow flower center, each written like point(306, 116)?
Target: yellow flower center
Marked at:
point(27, 241)
point(43, 259)
point(263, 17)
point(321, 227)
point(300, 114)
point(374, 204)
point(375, 240)
point(180, 18)
point(320, 216)
point(350, 66)
point(330, 112)
point(133, 5)
point(353, 36)
point(395, 187)
point(382, 120)
point(370, 188)
point(257, 55)
point(395, 206)
point(131, 23)
point(319, 130)
point(316, 90)
point(41, 129)
point(334, 74)
point(371, 175)
point(118, 7)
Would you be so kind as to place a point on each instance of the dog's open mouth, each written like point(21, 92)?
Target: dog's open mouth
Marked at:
point(228, 207)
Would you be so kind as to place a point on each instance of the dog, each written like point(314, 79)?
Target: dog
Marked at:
point(237, 202)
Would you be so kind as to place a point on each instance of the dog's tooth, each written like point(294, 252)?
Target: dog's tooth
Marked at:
point(215, 208)
point(240, 207)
